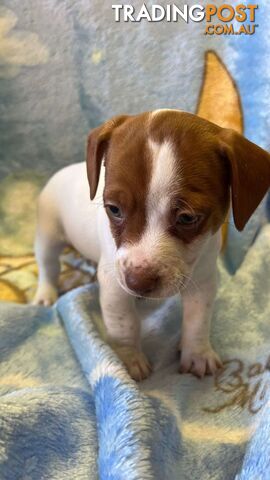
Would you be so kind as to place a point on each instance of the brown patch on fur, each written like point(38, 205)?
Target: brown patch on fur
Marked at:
point(203, 175)
point(97, 145)
point(208, 160)
point(128, 172)
point(250, 174)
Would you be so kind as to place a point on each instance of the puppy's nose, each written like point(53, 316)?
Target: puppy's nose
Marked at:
point(142, 281)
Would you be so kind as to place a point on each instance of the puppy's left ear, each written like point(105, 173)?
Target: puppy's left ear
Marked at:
point(249, 171)
point(97, 146)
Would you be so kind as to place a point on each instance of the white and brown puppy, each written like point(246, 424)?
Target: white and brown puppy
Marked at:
point(166, 193)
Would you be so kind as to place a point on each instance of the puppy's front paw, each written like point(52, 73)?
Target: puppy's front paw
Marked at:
point(46, 295)
point(135, 361)
point(199, 360)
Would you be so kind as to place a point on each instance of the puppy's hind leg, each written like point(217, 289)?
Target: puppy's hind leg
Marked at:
point(48, 246)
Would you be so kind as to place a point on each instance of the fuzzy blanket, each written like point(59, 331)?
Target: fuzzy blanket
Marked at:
point(68, 409)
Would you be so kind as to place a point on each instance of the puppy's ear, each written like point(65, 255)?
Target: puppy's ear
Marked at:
point(97, 146)
point(250, 174)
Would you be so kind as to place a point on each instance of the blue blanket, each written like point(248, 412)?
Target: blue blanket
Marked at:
point(69, 410)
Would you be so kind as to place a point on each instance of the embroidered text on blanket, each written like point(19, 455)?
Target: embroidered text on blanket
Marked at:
point(245, 386)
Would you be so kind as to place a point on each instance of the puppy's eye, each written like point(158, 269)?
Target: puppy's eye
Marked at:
point(187, 219)
point(114, 211)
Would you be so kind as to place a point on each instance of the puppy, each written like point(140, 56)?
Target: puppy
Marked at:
point(160, 186)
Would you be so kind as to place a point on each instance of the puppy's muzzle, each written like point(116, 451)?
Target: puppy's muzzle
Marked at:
point(142, 281)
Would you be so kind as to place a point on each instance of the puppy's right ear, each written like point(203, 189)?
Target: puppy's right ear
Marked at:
point(249, 171)
point(97, 146)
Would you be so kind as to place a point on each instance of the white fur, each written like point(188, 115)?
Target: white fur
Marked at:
point(154, 238)
point(67, 216)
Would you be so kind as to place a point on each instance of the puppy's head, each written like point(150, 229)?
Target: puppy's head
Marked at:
point(168, 176)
